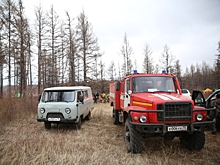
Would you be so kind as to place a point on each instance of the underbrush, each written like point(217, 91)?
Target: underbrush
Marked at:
point(12, 109)
point(98, 142)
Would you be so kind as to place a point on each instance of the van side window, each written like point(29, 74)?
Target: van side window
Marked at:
point(78, 94)
point(85, 94)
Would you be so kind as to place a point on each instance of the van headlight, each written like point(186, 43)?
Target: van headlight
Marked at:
point(199, 117)
point(68, 110)
point(42, 110)
point(143, 119)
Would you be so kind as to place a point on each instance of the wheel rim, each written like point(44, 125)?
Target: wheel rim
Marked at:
point(127, 136)
point(127, 139)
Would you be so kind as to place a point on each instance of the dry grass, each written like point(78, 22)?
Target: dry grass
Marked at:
point(23, 140)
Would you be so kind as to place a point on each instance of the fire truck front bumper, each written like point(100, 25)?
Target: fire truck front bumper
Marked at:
point(164, 128)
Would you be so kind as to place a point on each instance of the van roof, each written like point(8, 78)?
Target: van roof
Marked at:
point(68, 88)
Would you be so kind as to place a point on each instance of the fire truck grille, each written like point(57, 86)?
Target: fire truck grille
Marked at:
point(175, 111)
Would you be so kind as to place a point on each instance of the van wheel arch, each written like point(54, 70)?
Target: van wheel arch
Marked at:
point(88, 117)
point(79, 123)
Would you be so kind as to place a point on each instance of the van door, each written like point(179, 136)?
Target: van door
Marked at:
point(80, 105)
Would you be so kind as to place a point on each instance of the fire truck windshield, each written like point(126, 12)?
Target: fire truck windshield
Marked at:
point(153, 84)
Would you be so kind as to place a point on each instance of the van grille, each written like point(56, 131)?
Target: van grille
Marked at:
point(55, 115)
point(175, 111)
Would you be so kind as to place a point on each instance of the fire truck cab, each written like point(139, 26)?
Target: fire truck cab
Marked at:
point(151, 105)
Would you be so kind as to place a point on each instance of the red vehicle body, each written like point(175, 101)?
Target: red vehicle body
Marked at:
point(157, 108)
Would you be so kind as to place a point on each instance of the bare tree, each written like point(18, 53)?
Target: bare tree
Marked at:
point(29, 65)
point(53, 46)
point(72, 56)
point(206, 76)
point(87, 45)
point(40, 32)
point(148, 60)
point(192, 72)
point(167, 59)
point(22, 28)
point(112, 71)
point(102, 76)
point(156, 69)
point(217, 68)
point(126, 52)
point(63, 57)
point(53, 25)
point(177, 69)
point(7, 12)
point(2, 62)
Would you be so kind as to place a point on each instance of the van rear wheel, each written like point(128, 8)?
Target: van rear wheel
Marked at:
point(88, 117)
point(78, 124)
point(47, 125)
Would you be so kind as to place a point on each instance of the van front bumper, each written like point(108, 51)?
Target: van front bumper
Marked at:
point(57, 121)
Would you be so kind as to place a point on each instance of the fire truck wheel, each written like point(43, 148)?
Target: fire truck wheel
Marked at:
point(78, 124)
point(133, 138)
point(116, 117)
point(47, 125)
point(193, 141)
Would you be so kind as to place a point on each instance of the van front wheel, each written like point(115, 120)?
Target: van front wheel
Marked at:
point(47, 125)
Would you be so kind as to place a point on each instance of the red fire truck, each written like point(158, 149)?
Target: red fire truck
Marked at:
point(152, 105)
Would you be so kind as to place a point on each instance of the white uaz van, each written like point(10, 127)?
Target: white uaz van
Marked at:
point(65, 105)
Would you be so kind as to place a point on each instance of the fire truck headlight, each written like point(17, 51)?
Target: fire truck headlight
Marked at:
point(199, 117)
point(143, 119)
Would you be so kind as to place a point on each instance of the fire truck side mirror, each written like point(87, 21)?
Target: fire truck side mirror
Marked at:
point(117, 85)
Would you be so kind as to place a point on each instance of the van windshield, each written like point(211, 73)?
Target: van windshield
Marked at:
point(58, 96)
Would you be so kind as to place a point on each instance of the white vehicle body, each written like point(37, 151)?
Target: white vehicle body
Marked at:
point(65, 105)
point(185, 92)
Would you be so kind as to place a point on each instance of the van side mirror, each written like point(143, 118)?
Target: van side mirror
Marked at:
point(81, 98)
point(117, 85)
point(39, 97)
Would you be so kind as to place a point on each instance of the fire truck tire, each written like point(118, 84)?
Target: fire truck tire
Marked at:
point(193, 141)
point(133, 138)
point(47, 125)
point(116, 117)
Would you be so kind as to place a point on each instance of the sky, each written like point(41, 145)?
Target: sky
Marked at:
point(190, 28)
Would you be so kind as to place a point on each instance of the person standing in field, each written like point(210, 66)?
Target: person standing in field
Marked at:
point(96, 97)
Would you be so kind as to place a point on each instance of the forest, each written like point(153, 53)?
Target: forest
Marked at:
point(64, 52)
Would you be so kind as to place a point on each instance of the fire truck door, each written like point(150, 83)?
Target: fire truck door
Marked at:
point(127, 96)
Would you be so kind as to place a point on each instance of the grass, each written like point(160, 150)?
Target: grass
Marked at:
point(23, 140)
